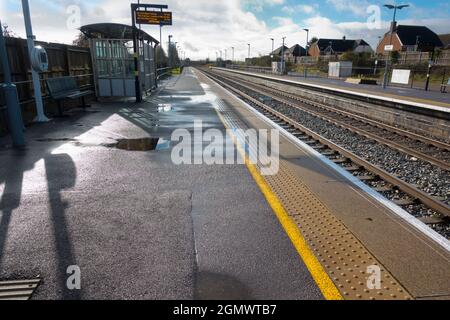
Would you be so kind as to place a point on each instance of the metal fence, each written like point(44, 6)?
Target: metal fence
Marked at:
point(421, 76)
point(438, 75)
point(266, 70)
point(441, 58)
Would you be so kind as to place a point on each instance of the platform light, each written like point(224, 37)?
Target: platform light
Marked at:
point(271, 53)
point(307, 40)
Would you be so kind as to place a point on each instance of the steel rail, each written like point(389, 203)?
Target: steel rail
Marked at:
point(373, 136)
point(399, 131)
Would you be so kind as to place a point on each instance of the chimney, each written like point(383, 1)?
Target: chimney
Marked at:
point(344, 38)
point(393, 26)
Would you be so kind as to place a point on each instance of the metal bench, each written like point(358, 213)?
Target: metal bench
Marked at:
point(66, 88)
point(444, 86)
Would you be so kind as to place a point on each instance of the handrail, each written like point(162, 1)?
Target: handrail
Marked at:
point(162, 74)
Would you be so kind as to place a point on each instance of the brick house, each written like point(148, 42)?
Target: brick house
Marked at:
point(445, 39)
point(410, 38)
point(324, 47)
point(294, 53)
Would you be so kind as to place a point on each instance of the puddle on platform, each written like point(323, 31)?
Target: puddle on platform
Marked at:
point(55, 139)
point(164, 107)
point(142, 144)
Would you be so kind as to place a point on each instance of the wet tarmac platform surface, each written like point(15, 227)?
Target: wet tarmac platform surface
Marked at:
point(99, 190)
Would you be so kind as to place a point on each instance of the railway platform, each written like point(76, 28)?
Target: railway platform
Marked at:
point(137, 225)
point(101, 190)
point(414, 97)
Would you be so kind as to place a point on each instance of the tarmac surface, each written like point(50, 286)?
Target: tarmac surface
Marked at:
point(137, 225)
point(401, 92)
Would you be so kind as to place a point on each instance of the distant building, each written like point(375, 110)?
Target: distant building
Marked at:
point(294, 53)
point(445, 39)
point(410, 38)
point(324, 47)
point(279, 51)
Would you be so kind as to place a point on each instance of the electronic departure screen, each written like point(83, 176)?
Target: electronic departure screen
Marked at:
point(154, 17)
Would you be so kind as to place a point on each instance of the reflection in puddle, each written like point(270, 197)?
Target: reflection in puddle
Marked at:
point(55, 139)
point(164, 107)
point(142, 144)
point(163, 144)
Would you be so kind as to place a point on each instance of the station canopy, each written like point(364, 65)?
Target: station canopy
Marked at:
point(115, 31)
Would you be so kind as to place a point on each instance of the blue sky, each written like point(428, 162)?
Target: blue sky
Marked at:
point(206, 27)
point(343, 11)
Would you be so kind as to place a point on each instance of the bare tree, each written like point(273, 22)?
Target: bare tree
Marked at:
point(7, 32)
point(312, 41)
point(81, 41)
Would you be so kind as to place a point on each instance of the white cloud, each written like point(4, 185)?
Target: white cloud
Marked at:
point(301, 8)
point(323, 27)
point(258, 5)
point(357, 7)
point(2, 11)
point(203, 27)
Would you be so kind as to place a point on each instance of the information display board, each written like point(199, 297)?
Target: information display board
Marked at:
point(158, 18)
point(400, 76)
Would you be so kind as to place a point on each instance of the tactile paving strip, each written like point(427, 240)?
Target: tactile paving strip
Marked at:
point(341, 254)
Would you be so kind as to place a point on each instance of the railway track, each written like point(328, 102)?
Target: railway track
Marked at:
point(415, 145)
point(406, 195)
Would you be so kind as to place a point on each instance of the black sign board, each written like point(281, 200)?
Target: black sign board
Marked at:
point(154, 17)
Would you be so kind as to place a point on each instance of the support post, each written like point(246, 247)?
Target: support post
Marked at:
point(137, 83)
point(427, 83)
point(11, 97)
point(36, 80)
point(282, 57)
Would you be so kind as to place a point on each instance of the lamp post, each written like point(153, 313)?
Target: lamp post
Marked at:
point(168, 51)
point(395, 8)
point(248, 52)
point(282, 56)
point(307, 40)
point(225, 55)
point(273, 48)
point(175, 53)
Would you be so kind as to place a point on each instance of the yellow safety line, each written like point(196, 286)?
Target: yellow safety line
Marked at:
point(323, 281)
point(320, 277)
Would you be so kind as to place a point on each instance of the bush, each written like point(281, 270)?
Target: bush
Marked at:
point(395, 57)
point(363, 59)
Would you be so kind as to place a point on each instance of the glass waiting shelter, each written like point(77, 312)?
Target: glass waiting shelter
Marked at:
point(113, 59)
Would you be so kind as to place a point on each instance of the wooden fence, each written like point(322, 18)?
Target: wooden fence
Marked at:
point(405, 58)
point(64, 60)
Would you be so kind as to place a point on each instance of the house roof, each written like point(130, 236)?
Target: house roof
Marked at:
point(279, 50)
point(340, 45)
point(297, 50)
point(408, 36)
point(445, 39)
